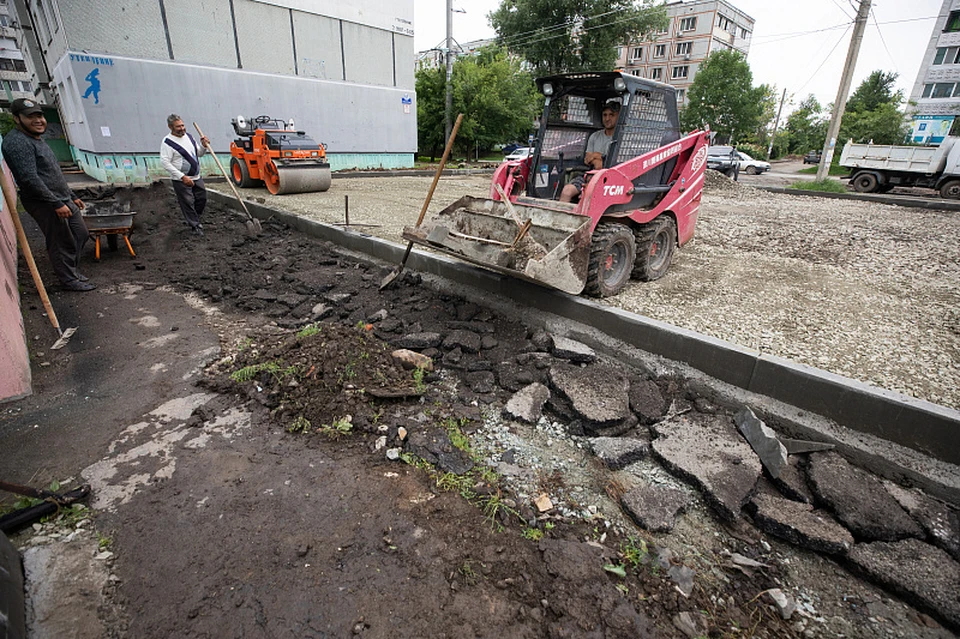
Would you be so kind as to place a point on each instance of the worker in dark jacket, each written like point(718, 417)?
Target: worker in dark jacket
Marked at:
point(45, 194)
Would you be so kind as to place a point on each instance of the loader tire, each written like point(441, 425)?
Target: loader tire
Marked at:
point(950, 190)
point(612, 254)
point(865, 183)
point(240, 174)
point(656, 242)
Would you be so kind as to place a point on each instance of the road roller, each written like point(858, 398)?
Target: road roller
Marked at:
point(272, 153)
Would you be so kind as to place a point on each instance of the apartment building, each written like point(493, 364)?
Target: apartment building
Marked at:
point(936, 90)
point(114, 69)
point(695, 29)
point(15, 80)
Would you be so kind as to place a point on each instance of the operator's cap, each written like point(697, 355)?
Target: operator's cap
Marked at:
point(25, 106)
point(613, 105)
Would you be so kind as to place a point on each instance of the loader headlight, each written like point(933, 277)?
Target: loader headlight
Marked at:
point(288, 154)
point(547, 88)
point(313, 153)
point(620, 85)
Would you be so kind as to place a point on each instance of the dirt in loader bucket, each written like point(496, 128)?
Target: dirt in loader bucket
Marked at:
point(543, 245)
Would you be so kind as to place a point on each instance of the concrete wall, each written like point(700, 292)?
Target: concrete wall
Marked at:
point(135, 98)
point(14, 358)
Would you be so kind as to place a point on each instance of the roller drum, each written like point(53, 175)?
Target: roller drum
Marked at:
point(300, 179)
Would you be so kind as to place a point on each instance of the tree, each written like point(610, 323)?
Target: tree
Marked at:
point(559, 36)
point(723, 97)
point(873, 112)
point(499, 102)
point(806, 127)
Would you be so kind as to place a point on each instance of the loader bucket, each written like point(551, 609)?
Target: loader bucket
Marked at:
point(553, 251)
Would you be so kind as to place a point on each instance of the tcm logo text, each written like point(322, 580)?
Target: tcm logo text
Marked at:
point(613, 190)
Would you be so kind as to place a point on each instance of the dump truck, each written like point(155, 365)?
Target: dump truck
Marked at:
point(877, 168)
point(270, 152)
point(631, 213)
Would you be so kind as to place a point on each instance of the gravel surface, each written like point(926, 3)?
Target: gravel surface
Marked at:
point(868, 291)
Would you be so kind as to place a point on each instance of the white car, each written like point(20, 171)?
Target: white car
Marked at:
point(750, 166)
point(520, 154)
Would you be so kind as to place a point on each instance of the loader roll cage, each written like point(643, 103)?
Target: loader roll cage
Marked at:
point(572, 112)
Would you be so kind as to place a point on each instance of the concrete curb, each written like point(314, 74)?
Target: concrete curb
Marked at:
point(937, 204)
point(916, 424)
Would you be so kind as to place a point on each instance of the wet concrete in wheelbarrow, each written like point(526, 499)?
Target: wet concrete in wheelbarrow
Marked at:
point(306, 484)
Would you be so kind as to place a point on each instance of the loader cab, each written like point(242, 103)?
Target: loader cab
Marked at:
point(573, 111)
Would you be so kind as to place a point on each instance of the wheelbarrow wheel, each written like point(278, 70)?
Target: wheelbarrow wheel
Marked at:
point(656, 241)
point(612, 254)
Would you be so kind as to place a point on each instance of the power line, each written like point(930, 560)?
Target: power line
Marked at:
point(884, 42)
point(842, 36)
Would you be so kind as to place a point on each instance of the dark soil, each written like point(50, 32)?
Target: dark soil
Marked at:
point(300, 526)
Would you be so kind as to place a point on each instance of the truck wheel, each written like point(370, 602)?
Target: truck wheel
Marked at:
point(656, 242)
point(951, 190)
point(865, 183)
point(612, 254)
point(241, 174)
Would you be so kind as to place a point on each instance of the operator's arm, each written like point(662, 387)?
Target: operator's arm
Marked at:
point(22, 160)
point(167, 155)
point(592, 157)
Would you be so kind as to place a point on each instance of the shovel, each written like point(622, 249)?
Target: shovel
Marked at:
point(9, 196)
point(253, 224)
point(394, 274)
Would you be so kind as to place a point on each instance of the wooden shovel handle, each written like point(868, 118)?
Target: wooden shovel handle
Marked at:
point(225, 176)
point(443, 163)
point(10, 197)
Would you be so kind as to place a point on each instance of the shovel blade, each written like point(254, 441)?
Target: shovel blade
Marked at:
point(64, 338)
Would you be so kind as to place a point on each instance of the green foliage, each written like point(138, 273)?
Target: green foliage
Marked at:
point(308, 331)
point(103, 542)
point(722, 97)
point(457, 437)
point(806, 127)
point(300, 425)
point(634, 551)
point(533, 534)
point(874, 92)
point(460, 484)
point(6, 123)
point(498, 99)
point(247, 373)
point(558, 36)
point(616, 569)
point(826, 186)
point(755, 151)
point(873, 112)
point(418, 384)
point(340, 427)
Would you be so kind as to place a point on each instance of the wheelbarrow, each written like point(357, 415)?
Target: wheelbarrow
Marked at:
point(111, 219)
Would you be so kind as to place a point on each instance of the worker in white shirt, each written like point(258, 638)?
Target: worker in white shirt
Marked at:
point(180, 155)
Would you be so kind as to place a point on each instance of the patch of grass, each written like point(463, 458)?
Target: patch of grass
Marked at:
point(308, 331)
point(340, 427)
point(103, 542)
point(493, 506)
point(533, 534)
point(418, 383)
point(835, 169)
point(416, 462)
point(457, 437)
point(299, 426)
point(467, 571)
point(633, 551)
point(68, 515)
point(245, 343)
point(248, 373)
point(462, 484)
point(823, 186)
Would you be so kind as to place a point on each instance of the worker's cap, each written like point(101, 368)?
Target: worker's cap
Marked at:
point(25, 106)
point(613, 106)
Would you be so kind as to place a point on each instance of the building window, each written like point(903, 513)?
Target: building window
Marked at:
point(681, 94)
point(656, 73)
point(659, 50)
point(953, 22)
point(11, 64)
point(680, 73)
point(688, 24)
point(744, 33)
point(938, 90)
point(947, 55)
point(637, 53)
point(619, 52)
point(4, 22)
point(27, 86)
point(684, 48)
point(726, 24)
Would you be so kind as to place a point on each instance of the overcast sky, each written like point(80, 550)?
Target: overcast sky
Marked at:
point(797, 45)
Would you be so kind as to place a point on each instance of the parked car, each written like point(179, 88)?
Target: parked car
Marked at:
point(510, 148)
point(751, 166)
point(724, 159)
point(813, 157)
point(521, 153)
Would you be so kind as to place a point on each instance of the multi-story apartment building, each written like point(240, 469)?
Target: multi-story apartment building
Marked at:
point(695, 29)
point(114, 69)
point(15, 79)
point(936, 91)
point(433, 58)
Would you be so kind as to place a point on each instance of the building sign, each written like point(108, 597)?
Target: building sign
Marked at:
point(406, 100)
point(931, 129)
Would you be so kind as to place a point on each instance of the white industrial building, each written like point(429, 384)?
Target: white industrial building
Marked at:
point(694, 30)
point(114, 70)
point(936, 91)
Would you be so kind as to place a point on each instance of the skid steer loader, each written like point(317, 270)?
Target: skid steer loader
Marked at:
point(273, 153)
point(630, 216)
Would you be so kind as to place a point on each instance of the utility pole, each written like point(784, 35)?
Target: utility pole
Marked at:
point(449, 59)
point(776, 124)
point(841, 102)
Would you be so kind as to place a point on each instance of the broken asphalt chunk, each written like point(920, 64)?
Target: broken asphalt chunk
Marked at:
point(800, 524)
point(576, 352)
point(647, 401)
point(619, 452)
point(859, 500)
point(598, 393)
point(655, 508)
point(708, 450)
point(940, 521)
point(527, 404)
